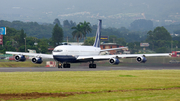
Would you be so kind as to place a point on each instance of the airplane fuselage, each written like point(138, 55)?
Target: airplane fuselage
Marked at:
point(68, 53)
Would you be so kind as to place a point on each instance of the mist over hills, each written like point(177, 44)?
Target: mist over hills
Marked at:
point(114, 13)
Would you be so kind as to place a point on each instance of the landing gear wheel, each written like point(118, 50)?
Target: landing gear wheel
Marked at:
point(92, 65)
point(69, 65)
point(66, 65)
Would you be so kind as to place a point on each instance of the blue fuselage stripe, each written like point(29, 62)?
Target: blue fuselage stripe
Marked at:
point(65, 58)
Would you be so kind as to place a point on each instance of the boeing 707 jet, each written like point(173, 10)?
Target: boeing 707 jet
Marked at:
point(66, 54)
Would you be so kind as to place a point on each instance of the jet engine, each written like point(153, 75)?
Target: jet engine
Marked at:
point(20, 58)
point(141, 59)
point(37, 60)
point(114, 61)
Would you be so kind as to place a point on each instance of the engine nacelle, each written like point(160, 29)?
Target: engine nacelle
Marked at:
point(141, 59)
point(114, 61)
point(37, 60)
point(20, 58)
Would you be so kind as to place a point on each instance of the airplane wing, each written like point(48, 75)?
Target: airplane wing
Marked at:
point(114, 49)
point(48, 56)
point(107, 57)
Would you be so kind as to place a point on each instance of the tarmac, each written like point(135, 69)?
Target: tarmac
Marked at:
point(85, 68)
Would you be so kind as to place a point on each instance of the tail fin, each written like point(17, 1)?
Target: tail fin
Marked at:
point(98, 35)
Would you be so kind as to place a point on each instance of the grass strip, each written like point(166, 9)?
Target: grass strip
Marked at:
point(89, 82)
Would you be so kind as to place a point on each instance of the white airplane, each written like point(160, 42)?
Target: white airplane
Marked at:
point(66, 54)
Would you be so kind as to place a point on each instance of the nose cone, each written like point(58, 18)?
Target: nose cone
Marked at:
point(56, 53)
point(59, 50)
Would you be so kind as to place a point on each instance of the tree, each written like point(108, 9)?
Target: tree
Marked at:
point(159, 38)
point(161, 50)
point(177, 38)
point(57, 35)
point(160, 33)
point(112, 38)
point(56, 21)
point(85, 28)
point(134, 47)
point(66, 24)
point(89, 41)
point(77, 32)
point(21, 38)
point(43, 45)
point(31, 40)
point(8, 46)
point(121, 41)
point(21, 48)
point(72, 23)
point(142, 25)
point(30, 28)
point(177, 32)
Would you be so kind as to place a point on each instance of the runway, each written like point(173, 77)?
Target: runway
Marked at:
point(82, 68)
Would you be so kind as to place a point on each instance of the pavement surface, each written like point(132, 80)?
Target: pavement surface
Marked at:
point(84, 68)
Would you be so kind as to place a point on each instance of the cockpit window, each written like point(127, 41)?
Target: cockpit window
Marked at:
point(57, 50)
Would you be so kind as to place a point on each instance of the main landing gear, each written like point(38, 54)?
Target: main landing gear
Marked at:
point(64, 65)
point(67, 65)
point(92, 65)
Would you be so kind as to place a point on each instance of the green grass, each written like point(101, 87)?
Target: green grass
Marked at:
point(28, 63)
point(126, 76)
point(136, 83)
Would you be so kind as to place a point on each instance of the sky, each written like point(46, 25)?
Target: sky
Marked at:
point(124, 11)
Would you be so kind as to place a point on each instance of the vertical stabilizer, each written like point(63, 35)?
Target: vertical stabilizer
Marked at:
point(98, 35)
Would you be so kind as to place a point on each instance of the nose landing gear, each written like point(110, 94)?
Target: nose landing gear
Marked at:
point(64, 65)
point(59, 65)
